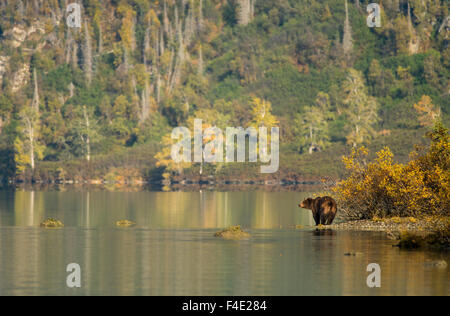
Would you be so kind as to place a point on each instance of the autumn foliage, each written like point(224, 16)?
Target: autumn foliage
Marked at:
point(383, 188)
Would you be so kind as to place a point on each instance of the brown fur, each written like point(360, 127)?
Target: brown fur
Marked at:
point(324, 209)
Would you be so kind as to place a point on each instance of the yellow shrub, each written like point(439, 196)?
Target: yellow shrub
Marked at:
point(383, 188)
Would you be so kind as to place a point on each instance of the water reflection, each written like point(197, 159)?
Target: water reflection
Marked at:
point(172, 251)
point(259, 210)
point(323, 232)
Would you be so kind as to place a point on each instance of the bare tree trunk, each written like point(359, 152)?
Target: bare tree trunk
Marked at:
point(20, 9)
point(145, 103)
point(176, 76)
point(158, 89)
point(36, 7)
point(356, 134)
point(71, 90)
point(68, 48)
point(169, 67)
point(410, 26)
point(32, 148)
point(252, 9)
point(200, 61)
point(161, 44)
point(88, 140)
point(74, 54)
point(188, 28)
point(347, 41)
point(397, 5)
point(100, 38)
point(311, 147)
point(146, 47)
point(133, 34)
point(176, 15)
point(244, 10)
point(166, 18)
point(126, 65)
point(200, 16)
point(30, 129)
point(36, 101)
point(414, 39)
point(87, 54)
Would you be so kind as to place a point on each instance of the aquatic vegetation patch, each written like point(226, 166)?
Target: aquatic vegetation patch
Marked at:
point(52, 223)
point(437, 239)
point(125, 223)
point(408, 240)
point(232, 232)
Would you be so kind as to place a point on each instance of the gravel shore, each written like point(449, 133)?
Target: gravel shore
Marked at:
point(395, 224)
point(429, 232)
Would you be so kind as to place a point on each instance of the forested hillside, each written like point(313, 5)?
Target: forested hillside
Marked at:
point(100, 101)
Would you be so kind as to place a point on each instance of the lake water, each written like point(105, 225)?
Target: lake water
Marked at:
point(172, 250)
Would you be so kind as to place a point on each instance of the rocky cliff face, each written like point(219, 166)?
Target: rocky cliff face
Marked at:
point(16, 39)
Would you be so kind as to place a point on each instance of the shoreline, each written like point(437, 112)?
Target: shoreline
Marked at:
point(412, 233)
point(393, 224)
point(305, 186)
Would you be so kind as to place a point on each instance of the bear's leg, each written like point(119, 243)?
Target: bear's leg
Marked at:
point(316, 218)
point(323, 218)
point(330, 219)
point(331, 216)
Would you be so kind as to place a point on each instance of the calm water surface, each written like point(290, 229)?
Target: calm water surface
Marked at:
point(172, 251)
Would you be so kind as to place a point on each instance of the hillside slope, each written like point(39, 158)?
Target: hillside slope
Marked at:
point(98, 101)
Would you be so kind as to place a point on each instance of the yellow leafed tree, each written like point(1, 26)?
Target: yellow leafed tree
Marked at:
point(164, 157)
point(262, 114)
point(128, 26)
point(427, 111)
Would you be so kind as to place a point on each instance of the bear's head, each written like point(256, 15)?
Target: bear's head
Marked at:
point(306, 203)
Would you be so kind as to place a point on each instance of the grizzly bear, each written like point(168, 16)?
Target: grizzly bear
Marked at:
point(324, 209)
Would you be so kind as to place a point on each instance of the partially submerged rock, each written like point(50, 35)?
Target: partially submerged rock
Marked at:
point(353, 254)
point(125, 223)
point(52, 223)
point(233, 232)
